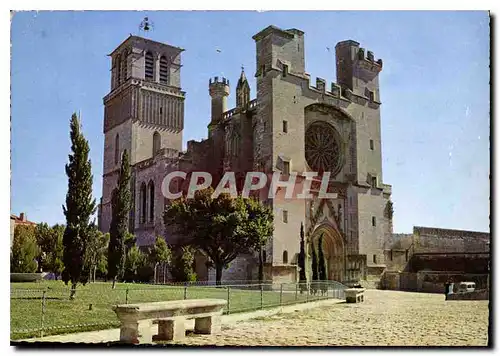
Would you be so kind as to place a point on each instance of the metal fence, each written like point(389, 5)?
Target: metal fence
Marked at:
point(50, 311)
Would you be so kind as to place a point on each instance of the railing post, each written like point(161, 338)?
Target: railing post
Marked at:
point(228, 296)
point(185, 291)
point(281, 294)
point(126, 296)
point(307, 293)
point(261, 296)
point(43, 313)
point(296, 290)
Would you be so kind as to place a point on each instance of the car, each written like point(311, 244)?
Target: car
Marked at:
point(466, 287)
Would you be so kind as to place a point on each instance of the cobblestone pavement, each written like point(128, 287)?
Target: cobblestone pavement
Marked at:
point(386, 318)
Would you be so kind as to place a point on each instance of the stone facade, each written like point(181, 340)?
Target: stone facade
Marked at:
point(291, 127)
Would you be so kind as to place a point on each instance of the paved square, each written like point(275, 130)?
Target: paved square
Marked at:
point(386, 318)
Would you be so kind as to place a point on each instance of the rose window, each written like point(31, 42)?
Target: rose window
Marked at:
point(323, 148)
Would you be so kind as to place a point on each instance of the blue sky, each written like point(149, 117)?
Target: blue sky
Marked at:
point(434, 90)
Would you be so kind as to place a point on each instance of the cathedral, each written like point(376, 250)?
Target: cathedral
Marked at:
point(290, 126)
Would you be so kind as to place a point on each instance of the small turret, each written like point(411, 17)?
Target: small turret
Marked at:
point(219, 91)
point(242, 91)
point(357, 71)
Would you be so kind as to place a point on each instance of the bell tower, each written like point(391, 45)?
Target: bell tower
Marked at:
point(143, 112)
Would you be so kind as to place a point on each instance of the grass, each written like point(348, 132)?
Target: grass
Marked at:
point(63, 315)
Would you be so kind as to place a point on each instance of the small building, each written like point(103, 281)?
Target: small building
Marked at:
point(425, 260)
point(15, 220)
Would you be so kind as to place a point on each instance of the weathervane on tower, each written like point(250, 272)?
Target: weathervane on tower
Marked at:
point(146, 25)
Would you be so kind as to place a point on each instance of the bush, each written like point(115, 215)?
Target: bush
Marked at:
point(182, 264)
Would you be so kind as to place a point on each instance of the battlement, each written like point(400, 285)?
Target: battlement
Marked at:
point(357, 54)
point(218, 81)
point(369, 57)
point(218, 87)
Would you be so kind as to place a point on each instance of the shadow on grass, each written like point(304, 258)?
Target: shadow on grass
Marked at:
point(38, 298)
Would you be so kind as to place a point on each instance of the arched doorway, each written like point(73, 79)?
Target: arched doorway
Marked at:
point(333, 250)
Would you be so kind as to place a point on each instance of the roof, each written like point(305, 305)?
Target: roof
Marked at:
point(133, 37)
point(243, 79)
point(18, 220)
point(273, 29)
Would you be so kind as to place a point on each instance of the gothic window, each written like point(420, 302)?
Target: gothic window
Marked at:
point(149, 65)
point(373, 181)
point(143, 196)
point(285, 126)
point(118, 69)
point(151, 192)
point(374, 221)
point(156, 142)
point(163, 70)
point(391, 255)
point(371, 145)
point(375, 259)
point(285, 70)
point(117, 148)
point(323, 148)
point(285, 257)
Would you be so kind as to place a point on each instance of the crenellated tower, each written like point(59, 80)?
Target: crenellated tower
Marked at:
point(358, 71)
point(219, 91)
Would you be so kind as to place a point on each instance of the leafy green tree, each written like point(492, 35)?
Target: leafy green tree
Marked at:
point(80, 206)
point(182, 264)
point(97, 247)
point(218, 227)
point(24, 250)
point(55, 261)
point(120, 205)
point(134, 260)
point(302, 260)
point(43, 235)
point(50, 241)
point(160, 253)
point(259, 227)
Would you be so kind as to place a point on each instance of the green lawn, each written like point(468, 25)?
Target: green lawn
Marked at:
point(63, 315)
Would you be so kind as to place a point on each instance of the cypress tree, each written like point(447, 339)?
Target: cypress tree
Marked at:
point(302, 260)
point(321, 260)
point(80, 206)
point(314, 263)
point(118, 230)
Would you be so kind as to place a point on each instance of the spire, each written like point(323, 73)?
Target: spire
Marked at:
point(242, 90)
point(243, 78)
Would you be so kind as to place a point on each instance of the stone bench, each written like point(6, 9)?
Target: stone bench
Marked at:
point(354, 295)
point(137, 319)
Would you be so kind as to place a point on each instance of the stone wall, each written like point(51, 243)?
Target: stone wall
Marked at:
point(429, 282)
point(445, 240)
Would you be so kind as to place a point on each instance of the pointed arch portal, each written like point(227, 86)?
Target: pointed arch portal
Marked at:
point(333, 250)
